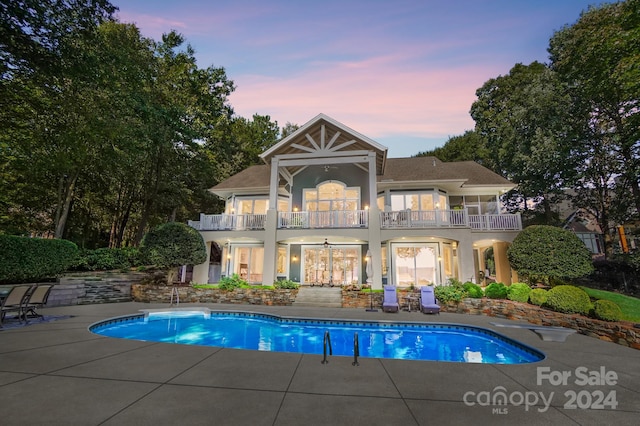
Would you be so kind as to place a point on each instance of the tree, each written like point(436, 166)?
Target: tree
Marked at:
point(597, 59)
point(547, 252)
point(467, 147)
point(522, 118)
point(171, 245)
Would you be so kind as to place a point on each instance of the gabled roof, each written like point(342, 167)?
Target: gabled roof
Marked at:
point(322, 136)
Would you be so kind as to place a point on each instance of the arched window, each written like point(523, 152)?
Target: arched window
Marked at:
point(332, 196)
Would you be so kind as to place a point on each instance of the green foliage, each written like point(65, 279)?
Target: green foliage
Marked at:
point(449, 293)
point(496, 291)
point(518, 292)
point(107, 259)
point(173, 244)
point(630, 305)
point(34, 259)
point(473, 290)
point(538, 296)
point(288, 284)
point(232, 282)
point(568, 299)
point(467, 147)
point(607, 310)
point(550, 252)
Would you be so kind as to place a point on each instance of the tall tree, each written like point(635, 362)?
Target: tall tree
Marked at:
point(466, 147)
point(597, 58)
point(522, 118)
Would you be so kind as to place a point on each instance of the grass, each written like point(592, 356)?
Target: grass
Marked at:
point(630, 306)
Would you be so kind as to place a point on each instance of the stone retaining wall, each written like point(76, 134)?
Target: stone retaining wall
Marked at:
point(84, 289)
point(247, 296)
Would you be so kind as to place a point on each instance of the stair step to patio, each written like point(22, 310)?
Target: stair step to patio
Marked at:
point(325, 297)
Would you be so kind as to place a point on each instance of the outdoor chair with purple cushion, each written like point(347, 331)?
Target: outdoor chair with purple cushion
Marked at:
point(390, 301)
point(428, 301)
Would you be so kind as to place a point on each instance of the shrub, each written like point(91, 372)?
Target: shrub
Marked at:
point(496, 291)
point(449, 293)
point(518, 292)
point(607, 310)
point(538, 296)
point(107, 259)
point(34, 259)
point(549, 252)
point(473, 290)
point(568, 299)
point(286, 284)
point(232, 282)
point(171, 245)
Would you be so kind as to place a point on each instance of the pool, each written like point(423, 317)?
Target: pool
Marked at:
point(376, 339)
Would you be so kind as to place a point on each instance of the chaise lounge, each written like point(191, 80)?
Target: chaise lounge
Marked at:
point(390, 301)
point(15, 302)
point(428, 301)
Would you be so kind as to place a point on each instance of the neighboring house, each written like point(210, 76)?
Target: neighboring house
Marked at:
point(328, 200)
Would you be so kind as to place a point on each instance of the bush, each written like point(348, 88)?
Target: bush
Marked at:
point(607, 310)
point(549, 252)
point(473, 290)
point(449, 293)
point(34, 259)
point(496, 291)
point(288, 284)
point(518, 292)
point(568, 299)
point(232, 282)
point(538, 296)
point(108, 259)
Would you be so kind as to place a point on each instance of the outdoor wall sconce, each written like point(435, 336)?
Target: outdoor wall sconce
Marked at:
point(294, 258)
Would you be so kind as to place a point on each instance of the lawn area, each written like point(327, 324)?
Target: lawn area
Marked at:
point(630, 305)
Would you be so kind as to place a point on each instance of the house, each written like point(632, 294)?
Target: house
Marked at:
point(327, 201)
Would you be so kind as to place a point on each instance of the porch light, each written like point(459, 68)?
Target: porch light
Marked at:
point(366, 207)
point(368, 255)
point(294, 258)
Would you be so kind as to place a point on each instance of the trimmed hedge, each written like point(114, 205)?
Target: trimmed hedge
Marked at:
point(473, 290)
point(607, 310)
point(496, 291)
point(569, 299)
point(287, 284)
point(538, 296)
point(449, 293)
point(108, 259)
point(34, 259)
point(518, 292)
point(173, 244)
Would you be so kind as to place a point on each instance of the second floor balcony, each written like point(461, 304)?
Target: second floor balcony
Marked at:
point(405, 219)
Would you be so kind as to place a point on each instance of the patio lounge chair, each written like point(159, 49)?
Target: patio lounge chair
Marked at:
point(428, 301)
point(14, 302)
point(390, 302)
point(38, 299)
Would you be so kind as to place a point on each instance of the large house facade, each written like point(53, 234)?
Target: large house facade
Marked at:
point(329, 208)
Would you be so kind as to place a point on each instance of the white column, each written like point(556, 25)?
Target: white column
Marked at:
point(201, 271)
point(374, 225)
point(270, 247)
point(465, 260)
point(273, 184)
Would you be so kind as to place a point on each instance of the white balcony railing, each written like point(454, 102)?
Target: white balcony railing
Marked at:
point(404, 219)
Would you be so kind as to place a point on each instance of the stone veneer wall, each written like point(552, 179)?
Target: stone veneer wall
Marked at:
point(247, 296)
point(85, 289)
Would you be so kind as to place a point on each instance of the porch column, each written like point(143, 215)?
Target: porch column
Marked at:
point(270, 246)
point(466, 260)
point(273, 184)
point(201, 271)
point(503, 267)
point(374, 225)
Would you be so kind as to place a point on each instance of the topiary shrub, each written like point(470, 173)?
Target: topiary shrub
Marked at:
point(549, 252)
point(607, 310)
point(34, 259)
point(473, 290)
point(518, 292)
point(171, 245)
point(538, 296)
point(568, 299)
point(496, 291)
point(288, 284)
point(232, 282)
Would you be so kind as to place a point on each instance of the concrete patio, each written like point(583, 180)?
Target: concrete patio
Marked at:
point(59, 373)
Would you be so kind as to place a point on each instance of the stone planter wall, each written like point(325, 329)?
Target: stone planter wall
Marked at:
point(188, 294)
point(622, 333)
point(362, 299)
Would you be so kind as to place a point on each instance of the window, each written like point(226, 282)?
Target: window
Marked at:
point(249, 263)
point(415, 264)
point(333, 265)
point(332, 196)
point(415, 201)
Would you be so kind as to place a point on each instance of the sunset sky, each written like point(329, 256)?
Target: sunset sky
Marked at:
point(403, 73)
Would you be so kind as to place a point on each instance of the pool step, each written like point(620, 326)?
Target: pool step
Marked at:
point(325, 297)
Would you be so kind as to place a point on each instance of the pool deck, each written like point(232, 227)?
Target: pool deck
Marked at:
point(59, 373)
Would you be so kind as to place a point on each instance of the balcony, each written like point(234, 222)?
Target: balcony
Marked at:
point(405, 219)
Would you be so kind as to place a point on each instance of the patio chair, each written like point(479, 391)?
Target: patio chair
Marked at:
point(428, 301)
point(37, 299)
point(14, 302)
point(390, 301)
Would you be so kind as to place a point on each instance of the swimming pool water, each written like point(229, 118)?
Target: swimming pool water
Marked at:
point(242, 330)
